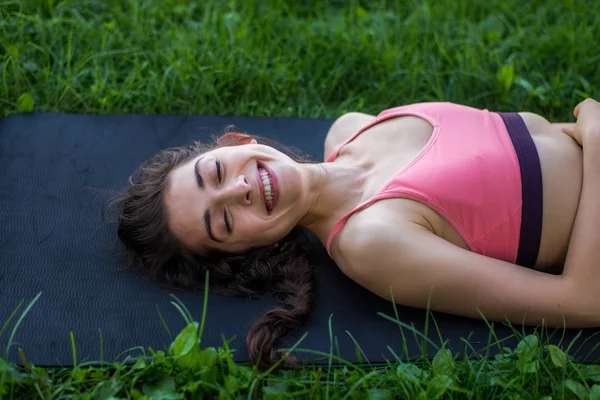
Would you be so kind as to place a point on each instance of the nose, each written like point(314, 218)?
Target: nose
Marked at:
point(237, 191)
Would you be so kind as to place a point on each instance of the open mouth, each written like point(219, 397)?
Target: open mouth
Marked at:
point(267, 184)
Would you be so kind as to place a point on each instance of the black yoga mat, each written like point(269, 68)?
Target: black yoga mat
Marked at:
point(53, 241)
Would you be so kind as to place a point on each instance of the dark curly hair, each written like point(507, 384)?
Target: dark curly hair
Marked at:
point(281, 270)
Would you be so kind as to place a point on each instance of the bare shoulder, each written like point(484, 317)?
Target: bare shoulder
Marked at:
point(364, 231)
point(344, 127)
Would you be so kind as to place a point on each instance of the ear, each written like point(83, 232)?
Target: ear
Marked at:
point(232, 138)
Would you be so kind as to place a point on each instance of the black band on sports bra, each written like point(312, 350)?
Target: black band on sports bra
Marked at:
point(531, 189)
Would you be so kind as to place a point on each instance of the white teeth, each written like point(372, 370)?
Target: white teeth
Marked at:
point(267, 186)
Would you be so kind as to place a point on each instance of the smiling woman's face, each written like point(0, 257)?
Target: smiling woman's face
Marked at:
point(234, 198)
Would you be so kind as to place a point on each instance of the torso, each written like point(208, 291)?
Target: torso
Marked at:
point(399, 140)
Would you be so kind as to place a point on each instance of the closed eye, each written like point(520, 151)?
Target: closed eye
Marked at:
point(227, 226)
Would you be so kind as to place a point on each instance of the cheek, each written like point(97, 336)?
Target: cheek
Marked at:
point(251, 228)
point(246, 225)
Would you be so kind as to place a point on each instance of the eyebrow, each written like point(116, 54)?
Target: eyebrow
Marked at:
point(199, 178)
point(200, 181)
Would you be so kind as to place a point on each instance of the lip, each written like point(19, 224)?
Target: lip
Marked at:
point(274, 186)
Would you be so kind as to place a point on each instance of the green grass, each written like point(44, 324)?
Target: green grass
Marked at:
point(533, 369)
point(300, 59)
point(258, 57)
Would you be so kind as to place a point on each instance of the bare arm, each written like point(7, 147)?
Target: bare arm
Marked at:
point(582, 264)
point(412, 262)
point(409, 259)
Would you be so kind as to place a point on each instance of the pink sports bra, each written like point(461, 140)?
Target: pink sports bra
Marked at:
point(468, 172)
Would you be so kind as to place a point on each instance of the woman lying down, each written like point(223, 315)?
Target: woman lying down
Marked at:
point(468, 209)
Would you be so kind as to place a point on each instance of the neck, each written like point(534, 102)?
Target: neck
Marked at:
point(333, 190)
